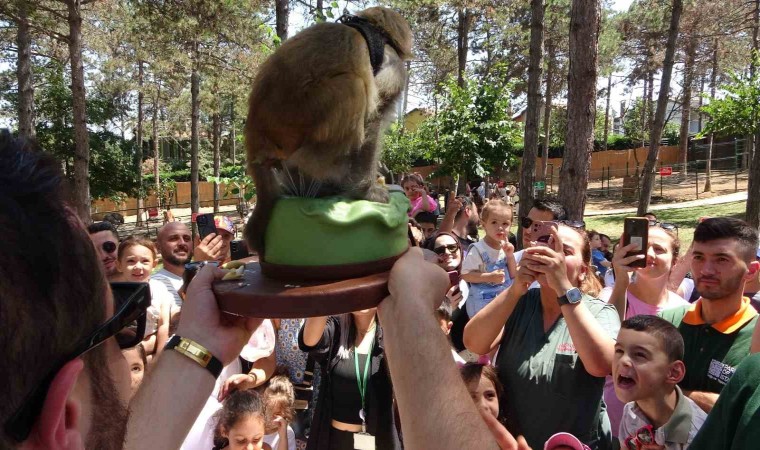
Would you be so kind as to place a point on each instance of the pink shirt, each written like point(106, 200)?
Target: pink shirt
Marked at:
point(635, 307)
point(417, 205)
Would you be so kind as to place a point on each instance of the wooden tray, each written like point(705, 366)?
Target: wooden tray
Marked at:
point(256, 295)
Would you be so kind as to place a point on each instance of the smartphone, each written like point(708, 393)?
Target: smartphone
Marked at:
point(542, 230)
point(206, 224)
point(453, 278)
point(238, 250)
point(636, 231)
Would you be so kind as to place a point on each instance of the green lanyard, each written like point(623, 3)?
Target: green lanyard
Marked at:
point(362, 381)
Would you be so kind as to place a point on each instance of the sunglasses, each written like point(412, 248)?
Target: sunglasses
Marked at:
point(109, 246)
point(131, 301)
point(664, 225)
point(452, 248)
point(526, 222)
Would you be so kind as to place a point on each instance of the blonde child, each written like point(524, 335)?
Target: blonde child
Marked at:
point(490, 264)
point(240, 424)
point(279, 401)
point(414, 188)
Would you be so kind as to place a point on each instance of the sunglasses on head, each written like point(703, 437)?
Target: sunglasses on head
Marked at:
point(526, 222)
point(452, 248)
point(109, 246)
point(664, 225)
point(127, 325)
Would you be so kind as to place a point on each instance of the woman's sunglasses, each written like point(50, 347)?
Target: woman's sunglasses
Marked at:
point(452, 248)
point(127, 325)
point(664, 225)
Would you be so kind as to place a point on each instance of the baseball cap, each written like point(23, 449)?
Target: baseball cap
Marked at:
point(565, 439)
point(224, 223)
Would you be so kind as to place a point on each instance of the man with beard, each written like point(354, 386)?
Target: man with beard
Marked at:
point(717, 329)
point(106, 241)
point(462, 219)
point(176, 247)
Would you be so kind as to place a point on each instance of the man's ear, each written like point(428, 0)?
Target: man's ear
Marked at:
point(752, 269)
point(449, 324)
point(676, 372)
point(58, 425)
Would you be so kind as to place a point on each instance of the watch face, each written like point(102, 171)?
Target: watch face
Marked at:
point(574, 295)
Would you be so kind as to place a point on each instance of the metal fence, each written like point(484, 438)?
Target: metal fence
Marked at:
point(673, 182)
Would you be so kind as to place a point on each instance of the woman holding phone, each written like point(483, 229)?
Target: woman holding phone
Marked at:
point(646, 293)
point(556, 343)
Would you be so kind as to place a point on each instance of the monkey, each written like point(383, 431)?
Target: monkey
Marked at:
point(317, 109)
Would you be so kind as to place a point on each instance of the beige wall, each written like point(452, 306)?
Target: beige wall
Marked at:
point(616, 160)
point(182, 198)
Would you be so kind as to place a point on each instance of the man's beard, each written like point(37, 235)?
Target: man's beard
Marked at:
point(174, 261)
point(109, 416)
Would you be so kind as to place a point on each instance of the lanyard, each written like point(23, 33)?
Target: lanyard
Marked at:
point(362, 381)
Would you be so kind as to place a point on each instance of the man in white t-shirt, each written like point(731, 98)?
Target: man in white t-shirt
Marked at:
point(175, 243)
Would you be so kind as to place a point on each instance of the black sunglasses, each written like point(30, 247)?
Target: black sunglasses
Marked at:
point(109, 246)
point(131, 300)
point(452, 248)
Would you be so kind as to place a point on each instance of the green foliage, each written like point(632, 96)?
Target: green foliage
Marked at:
point(473, 133)
point(739, 111)
point(237, 183)
point(401, 148)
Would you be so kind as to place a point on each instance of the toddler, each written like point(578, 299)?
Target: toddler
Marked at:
point(490, 264)
point(483, 385)
point(137, 362)
point(240, 424)
point(414, 188)
point(646, 369)
point(279, 400)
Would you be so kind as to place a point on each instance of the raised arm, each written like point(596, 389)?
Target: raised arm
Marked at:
point(419, 359)
point(621, 266)
point(453, 206)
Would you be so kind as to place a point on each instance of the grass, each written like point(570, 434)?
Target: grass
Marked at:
point(685, 218)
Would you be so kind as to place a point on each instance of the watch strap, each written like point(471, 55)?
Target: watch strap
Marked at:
point(196, 352)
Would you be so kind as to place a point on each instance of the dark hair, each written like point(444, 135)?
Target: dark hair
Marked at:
point(551, 205)
point(592, 233)
point(466, 203)
point(473, 371)
point(430, 245)
point(650, 213)
point(49, 274)
point(602, 236)
point(237, 406)
point(662, 330)
point(729, 228)
point(413, 178)
point(443, 312)
point(425, 217)
point(97, 227)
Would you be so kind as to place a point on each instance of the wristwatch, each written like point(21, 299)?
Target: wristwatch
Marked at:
point(196, 352)
point(572, 297)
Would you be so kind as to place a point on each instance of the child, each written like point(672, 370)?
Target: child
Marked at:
point(597, 256)
point(137, 362)
point(483, 385)
point(279, 400)
point(414, 188)
point(490, 264)
point(136, 259)
point(428, 223)
point(443, 316)
point(240, 423)
point(646, 370)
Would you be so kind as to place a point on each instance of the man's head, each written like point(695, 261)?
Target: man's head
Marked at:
point(105, 239)
point(648, 361)
point(467, 216)
point(175, 243)
point(54, 294)
point(724, 257)
point(545, 209)
point(226, 229)
point(606, 243)
point(427, 222)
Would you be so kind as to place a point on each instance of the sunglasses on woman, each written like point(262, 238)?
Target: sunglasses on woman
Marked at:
point(127, 325)
point(452, 248)
point(664, 225)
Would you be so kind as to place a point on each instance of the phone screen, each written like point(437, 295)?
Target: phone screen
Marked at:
point(206, 224)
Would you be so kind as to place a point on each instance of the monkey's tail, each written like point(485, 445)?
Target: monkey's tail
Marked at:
point(267, 193)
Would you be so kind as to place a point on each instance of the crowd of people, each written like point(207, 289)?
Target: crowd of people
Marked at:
point(559, 340)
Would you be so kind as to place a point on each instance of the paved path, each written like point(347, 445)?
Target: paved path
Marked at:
point(730, 198)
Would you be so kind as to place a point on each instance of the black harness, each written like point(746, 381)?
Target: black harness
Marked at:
point(375, 38)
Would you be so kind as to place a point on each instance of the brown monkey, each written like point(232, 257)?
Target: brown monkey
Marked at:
point(317, 108)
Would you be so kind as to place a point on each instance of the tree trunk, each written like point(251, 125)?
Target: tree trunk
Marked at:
point(282, 14)
point(154, 138)
point(216, 123)
point(688, 82)
point(607, 111)
point(463, 43)
point(581, 106)
point(195, 82)
point(650, 109)
point(320, 10)
point(81, 185)
point(662, 103)
point(701, 99)
point(547, 111)
point(139, 142)
point(713, 82)
point(753, 189)
point(750, 143)
point(24, 73)
point(532, 112)
point(232, 130)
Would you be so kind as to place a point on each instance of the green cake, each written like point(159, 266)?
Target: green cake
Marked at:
point(334, 237)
